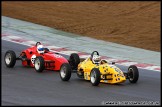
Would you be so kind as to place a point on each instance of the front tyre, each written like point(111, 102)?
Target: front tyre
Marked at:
point(39, 64)
point(133, 74)
point(65, 72)
point(10, 58)
point(95, 76)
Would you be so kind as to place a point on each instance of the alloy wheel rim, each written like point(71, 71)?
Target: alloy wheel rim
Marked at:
point(93, 76)
point(37, 64)
point(63, 72)
point(131, 77)
point(8, 58)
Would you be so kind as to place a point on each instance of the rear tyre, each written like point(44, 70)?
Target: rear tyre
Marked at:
point(39, 64)
point(74, 60)
point(10, 58)
point(65, 72)
point(133, 74)
point(95, 76)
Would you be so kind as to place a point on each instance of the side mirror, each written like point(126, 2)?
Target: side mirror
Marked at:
point(113, 62)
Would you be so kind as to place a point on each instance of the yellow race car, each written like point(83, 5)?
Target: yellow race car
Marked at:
point(98, 70)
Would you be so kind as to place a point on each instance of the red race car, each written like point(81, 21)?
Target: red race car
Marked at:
point(41, 58)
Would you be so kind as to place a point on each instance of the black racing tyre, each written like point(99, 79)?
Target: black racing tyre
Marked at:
point(65, 72)
point(95, 76)
point(10, 58)
point(39, 64)
point(74, 60)
point(133, 74)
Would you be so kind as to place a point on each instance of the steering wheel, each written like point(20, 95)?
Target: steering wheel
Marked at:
point(37, 43)
point(93, 54)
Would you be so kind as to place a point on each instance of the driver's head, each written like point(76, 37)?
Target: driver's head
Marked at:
point(96, 59)
point(40, 49)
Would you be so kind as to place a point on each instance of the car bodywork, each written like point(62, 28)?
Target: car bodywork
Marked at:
point(106, 72)
point(52, 61)
point(109, 73)
point(40, 59)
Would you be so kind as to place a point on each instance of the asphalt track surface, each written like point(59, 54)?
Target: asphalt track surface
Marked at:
point(24, 86)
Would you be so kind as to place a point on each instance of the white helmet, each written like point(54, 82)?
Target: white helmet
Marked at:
point(96, 59)
point(33, 59)
point(40, 49)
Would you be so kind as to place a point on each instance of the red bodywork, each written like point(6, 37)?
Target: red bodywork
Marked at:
point(52, 60)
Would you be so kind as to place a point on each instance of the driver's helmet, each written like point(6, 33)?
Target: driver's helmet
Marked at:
point(40, 49)
point(96, 59)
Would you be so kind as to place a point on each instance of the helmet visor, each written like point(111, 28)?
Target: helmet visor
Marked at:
point(40, 49)
point(97, 60)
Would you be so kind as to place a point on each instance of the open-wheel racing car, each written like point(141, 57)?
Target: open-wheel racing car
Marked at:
point(40, 58)
point(99, 70)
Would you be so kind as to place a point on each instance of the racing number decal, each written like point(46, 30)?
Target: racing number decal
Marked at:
point(116, 69)
point(86, 76)
point(57, 56)
point(33, 58)
point(106, 81)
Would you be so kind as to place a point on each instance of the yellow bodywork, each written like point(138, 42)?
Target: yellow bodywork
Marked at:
point(109, 73)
